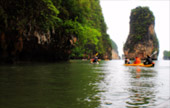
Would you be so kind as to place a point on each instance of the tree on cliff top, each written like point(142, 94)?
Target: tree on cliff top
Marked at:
point(140, 20)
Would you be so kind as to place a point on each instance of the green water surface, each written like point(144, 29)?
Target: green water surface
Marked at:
point(79, 84)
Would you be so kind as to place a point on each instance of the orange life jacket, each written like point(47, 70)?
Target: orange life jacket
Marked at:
point(137, 61)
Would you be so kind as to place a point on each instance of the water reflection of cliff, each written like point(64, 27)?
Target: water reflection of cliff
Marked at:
point(142, 87)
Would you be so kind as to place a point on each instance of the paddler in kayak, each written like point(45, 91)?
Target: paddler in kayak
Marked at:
point(148, 60)
point(127, 61)
point(137, 60)
point(95, 59)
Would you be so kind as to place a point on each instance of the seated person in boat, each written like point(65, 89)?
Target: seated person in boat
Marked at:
point(127, 61)
point(137, 60)
point(148, 60)
point(95, 59)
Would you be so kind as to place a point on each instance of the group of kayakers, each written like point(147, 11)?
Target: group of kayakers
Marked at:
point(137, 60)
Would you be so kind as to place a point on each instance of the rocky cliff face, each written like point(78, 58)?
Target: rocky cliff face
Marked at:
point(142, 39)
point(115, 55)
point(34, 47)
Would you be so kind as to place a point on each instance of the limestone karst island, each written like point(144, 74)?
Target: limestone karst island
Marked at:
point(142, 39)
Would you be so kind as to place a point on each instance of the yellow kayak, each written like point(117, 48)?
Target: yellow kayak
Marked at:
point(141, 65)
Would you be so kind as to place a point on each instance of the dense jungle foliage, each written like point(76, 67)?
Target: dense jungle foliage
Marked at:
point(166, 55)
point(140, 20)
point(52, 30)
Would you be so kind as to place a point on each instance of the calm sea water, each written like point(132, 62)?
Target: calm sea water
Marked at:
point(79, 84)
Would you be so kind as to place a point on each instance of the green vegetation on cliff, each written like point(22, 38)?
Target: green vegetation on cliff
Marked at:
point(52, 30)
point(141, 18)
point(91, 31)
point(142, 39)
point(166, 55)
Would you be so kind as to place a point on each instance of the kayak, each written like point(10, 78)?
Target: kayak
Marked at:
point(141, 65)
point(94, 62)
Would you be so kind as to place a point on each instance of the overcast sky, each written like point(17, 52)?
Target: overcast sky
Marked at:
point(117, 13)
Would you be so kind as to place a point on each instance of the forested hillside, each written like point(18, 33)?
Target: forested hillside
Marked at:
point(52, 30)
point(166, 55)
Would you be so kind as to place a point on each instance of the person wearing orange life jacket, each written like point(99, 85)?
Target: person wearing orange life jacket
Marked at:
point(137, 60)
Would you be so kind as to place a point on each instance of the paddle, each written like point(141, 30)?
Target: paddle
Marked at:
point(153, 53)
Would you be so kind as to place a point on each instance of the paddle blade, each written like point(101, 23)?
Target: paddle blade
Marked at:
point(154, 53)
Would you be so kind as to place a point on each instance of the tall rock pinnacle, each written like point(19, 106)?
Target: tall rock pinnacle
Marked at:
point(142, 39)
